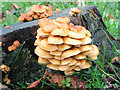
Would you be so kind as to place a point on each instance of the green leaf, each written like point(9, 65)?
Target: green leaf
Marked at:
point(68, 79)
point(63, 82)
point(67, 85)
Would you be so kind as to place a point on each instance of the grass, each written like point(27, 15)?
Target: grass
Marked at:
point(94, 76)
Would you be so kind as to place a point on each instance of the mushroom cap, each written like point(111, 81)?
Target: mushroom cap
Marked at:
point(64, 27)
point(49, 27)
point(21, 19)
point(76, 10)
point(57, 10)
point(81, 62)
point(45, 21)
point(63, 67)
point(37, 41)
point(71, 68)
point(76, 35)
point(54, 61)
point(30, 12)
point(56, 32)
point(42, 53)
point(66, 61)
point(85, 48)
point(38, 8)
point(77, 68)
point(71, 13)
point(88, 34)
point(86, 40)
point(69, 72)
point(42, 34)
point(48, 47)
point(73, 62)
point(93, 57)
point(63, 19)
point(79, 56)
point(51, 66)
point(86, 65)
point(71, 52)
point(63, 47)
point(42, 60)
point(93, 52)
point(56, 53)
point(58, 57)
point(71, 41)
point(55, 40)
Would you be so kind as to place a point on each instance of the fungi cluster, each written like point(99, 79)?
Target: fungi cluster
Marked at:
point(36, 12)
point(63, 46)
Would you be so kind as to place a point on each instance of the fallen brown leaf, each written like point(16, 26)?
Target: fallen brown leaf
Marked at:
point(57, 79)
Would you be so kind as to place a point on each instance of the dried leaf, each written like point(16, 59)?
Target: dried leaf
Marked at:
point(57, 79)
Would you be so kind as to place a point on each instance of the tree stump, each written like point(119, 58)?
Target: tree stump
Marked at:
point(26, 67)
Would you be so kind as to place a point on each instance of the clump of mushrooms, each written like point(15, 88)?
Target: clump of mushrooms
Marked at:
point(64, 46)
point(36, 12)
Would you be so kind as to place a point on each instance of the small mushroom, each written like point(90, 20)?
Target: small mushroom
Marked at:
point(49, 27)
point(77, 68)
point(51, 66)
point(79, 56)
point(76, 35)
point(88, 34)
point(71, 41)
point(63, 67)
point(46, 46)
point(14, 47)
point(93, 52)
point(55, 40)
point(69, 72)
point(56, 32)
point(86, 65)
point(57, 10)
point(76, 10)
point(10, 48)
point(42, 60)
point(56, 53)
point(58, 57)
point(37, 41)
point(44, 21)
point(54, 61)
point(42, 34)
point(63, 47)
point(63, 19)
point(16, 43)
point(86, 40)
point(35, 16)
point(93, 57)
point(21, 19)
point(42, 53)
point(30, 12)
point(71, 52)
point(73, 62)
point(81, 62)
point(84, 48)
point(66, 61)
